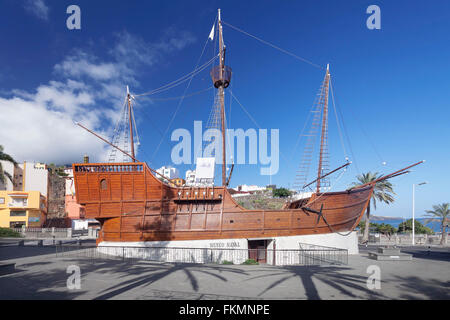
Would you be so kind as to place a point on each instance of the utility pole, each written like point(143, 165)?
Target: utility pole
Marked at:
point(413, 212)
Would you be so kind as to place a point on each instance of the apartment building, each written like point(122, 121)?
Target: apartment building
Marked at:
point(22, 208)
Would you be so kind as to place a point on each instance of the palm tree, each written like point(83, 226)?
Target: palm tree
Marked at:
point(382, 192)
point(442, 212)
point(4, 174)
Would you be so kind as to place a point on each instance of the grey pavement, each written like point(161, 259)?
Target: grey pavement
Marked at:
point(42, 275)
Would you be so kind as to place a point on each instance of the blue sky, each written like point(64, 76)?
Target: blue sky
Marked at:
point(390, 85)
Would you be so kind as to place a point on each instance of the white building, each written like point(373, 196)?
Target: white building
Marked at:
point(27, 176)
point(169, 172)
point(70, 185)
point(190, 177)
point(35, 177)
point(251, 188)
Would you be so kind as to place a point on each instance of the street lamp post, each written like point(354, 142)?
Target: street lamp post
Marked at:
point(413, 224)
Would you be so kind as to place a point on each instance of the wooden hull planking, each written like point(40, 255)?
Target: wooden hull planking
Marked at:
point(133, 205)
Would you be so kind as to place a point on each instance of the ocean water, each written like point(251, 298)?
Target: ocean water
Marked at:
point(434, 225)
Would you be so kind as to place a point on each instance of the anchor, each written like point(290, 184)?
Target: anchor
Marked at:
point(319, 214)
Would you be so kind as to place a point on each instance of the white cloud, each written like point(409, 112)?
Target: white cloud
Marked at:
point(37, 8)
point(41, 128)
point(132, 49)
point(39, 125)
point(81, 64)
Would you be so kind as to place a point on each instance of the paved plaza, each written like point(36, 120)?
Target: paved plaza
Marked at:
point(41, 275)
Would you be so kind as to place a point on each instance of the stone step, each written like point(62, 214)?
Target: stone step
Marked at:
point(388, 250)
point(390, 257)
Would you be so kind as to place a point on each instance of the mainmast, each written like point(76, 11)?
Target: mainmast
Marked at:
point(324, 134)
point(221, 76)
point(130, 124)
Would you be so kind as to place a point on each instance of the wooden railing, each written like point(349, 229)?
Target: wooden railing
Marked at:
point(123, 167)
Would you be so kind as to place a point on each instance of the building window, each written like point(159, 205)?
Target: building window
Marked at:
point(18, 202)
point(103, 184)
point(2, 200)
point(16, 224)
point(17, 213)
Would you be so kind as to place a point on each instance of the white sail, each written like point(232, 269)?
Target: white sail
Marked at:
point(211, 34)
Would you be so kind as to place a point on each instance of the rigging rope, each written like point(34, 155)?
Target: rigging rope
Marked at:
point(138, 142)
point(337, 120)
point(181, 80)
point(301, 133)
point(185, 96)
point(182, 98)
point(274, 46)
point(348, 139)
point(116, 132)
point(324, 219)
point(254, 121)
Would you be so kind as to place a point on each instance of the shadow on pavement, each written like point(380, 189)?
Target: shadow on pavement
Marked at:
point(349, 285)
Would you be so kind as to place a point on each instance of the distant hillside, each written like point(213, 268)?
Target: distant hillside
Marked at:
point(381, 218)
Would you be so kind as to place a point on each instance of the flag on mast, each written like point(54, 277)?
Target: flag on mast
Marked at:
point(211, 34)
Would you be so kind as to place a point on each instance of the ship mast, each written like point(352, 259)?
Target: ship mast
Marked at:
point(221, 76)
point(222, 103)
point(130, 124)
point(324, 133)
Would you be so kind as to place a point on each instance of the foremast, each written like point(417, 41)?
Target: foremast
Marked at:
point(323, 154)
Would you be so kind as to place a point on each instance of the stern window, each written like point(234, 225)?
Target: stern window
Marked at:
point(103, 184)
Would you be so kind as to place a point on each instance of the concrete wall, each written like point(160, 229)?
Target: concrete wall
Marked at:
point(167, 250)
point(56, 196)
point(199, 251)
point(333, 240)
point(72, 208)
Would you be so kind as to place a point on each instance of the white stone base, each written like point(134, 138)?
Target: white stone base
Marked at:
point(333, 240)
point(233, 250)
point(198, 251)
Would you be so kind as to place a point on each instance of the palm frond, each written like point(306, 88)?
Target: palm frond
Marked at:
point(383, 190)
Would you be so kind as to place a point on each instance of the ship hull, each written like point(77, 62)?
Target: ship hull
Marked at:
point(133, 205)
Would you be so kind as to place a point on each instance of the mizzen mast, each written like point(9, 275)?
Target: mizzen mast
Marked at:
point(130, 124)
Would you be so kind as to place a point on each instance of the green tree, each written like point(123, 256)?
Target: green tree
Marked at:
point(59, 170)
point(281, 193)
point(386, 229)
point(382, 192)
point(4, 174)
point(383, 228)
point(419, 228)
point(441, 212)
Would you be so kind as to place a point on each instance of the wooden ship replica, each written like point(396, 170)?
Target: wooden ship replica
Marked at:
point(134, 203)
